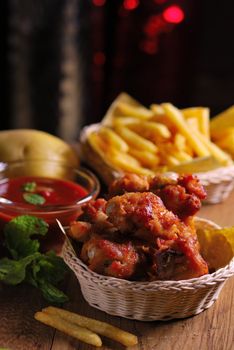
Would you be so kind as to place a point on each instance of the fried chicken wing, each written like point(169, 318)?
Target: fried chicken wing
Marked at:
point(144, 216)
point(110, 258)
point(129, 183)
point(181, 195)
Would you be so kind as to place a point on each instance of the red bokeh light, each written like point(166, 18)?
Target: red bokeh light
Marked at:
point(99, 2)
point(160, 2)
point(149, 46)
point(154, 25)
point(99, 58)
point(173, 14)
point(130, 4)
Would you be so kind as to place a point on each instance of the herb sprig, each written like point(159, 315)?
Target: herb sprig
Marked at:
point(27, 263)
point(30, 196)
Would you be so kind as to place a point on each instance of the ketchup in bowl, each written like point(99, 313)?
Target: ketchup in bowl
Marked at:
point(48, 198)
point(51, 192)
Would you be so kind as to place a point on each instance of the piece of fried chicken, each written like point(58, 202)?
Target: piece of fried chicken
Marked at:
point(181, 195)
point(110, 258)
point(136, 235)
point(144, 216)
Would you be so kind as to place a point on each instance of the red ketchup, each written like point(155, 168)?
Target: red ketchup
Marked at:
point(55, 197)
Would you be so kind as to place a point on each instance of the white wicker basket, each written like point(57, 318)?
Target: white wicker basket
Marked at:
point(149, 301)
point(218, 182)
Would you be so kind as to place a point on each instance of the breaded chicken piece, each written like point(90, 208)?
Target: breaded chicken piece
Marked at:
point(110, 258)
point(182, 195)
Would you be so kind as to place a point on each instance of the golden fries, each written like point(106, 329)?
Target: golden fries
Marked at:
point(132, 138)
point(202, 115)
point(69, 328)
point(176, 117)
point(113, 139)
point(96, 326)
point(83, 328)
point(135, 111)
point(135, 140)
point(223, 120)
point(146, 158)
point(126, 162)
point(148, 129)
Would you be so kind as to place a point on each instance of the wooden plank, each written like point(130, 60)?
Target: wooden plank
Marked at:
point(19, 330)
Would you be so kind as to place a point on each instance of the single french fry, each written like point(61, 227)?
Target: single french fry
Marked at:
point(133, 111)
point(157, 109)
point(96, 326)
point(69, 328)
point(202, 114)
point(227, 144)
point(222, 134)
point(146, 128)
point(192, 121)
point(180, 142)
point(223, 120)
point(171, 160)
point(215, 151)
point(146, 158)
point(97, 143)
point(153, 129)
point(127, 163)
point(182, 156)
point(113, 139)
point(204, 122)
point(113, 110)
point(135, 140)
point(176, 117)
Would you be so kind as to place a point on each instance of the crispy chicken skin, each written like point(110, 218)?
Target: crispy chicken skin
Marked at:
point(142, 214)
point(129, 183)
point(110, 258)
point(182, 195)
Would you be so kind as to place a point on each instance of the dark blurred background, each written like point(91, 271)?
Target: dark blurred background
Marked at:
point(64, 62)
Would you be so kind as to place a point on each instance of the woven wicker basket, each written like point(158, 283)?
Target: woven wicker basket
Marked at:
point(149, 301)
point(218, 183)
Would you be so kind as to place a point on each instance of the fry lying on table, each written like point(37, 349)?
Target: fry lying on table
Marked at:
point(145, 230)
point(83, 328)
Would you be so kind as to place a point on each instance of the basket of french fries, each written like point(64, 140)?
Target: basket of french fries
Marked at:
point(163, 138)
point(161, 300)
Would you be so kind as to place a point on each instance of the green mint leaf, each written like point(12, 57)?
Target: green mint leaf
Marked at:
point(14, 271)
point(43, 271)
point(53, 268)
point(29, 186)
point(18, 232)
point(34, 198)
point(51, 293)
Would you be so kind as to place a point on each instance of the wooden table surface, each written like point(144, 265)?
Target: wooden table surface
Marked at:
point(212, 329)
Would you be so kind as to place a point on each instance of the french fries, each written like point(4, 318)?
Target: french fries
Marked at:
point(83, 328)
point(176, 117)
point(132, 138)
point(202, 115)
point(222, 130)
point(135, 140)
point(69, 328)
point(96, 326)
